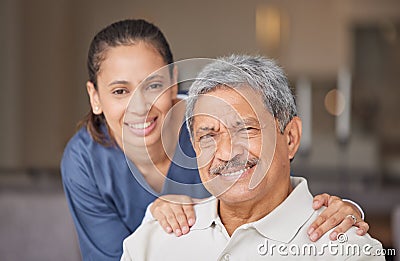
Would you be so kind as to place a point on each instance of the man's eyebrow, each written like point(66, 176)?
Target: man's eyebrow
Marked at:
point(204, 129)
point(247, 121)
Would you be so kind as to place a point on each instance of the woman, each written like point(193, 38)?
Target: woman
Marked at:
point(107, 202)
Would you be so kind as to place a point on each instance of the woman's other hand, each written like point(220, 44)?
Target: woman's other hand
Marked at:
point(337, 214)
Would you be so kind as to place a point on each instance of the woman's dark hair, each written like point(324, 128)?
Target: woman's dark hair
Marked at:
point(122, 33)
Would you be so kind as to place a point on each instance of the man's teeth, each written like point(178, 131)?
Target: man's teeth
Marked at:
point(141, 125)
point(236, 173)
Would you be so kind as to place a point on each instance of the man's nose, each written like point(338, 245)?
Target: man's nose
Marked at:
point(227, 148)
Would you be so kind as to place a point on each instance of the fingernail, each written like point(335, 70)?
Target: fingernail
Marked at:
point(185, 229)
point(314, 236)
point(178, 232)
point(360, 231)
point(191, 221)
point(315, 204)
point(169, 229)
point(333, 236)
point(310, 230)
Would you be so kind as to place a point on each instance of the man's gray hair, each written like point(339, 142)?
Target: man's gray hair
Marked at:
point(261, 74)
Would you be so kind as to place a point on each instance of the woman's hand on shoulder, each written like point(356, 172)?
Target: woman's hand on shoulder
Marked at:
point(339, 214)
point(175, 213)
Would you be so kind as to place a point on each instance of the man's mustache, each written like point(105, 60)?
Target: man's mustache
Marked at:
point(234, 163)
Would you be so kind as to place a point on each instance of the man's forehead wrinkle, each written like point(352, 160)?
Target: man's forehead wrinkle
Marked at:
point(212, 106)
point(205, 122)
point(230, 118)
point(233, 110)
point(220, 114)
point(250, 120)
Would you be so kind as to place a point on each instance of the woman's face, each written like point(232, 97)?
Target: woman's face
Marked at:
point(129, 74)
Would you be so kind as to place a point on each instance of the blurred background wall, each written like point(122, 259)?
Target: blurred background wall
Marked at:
point(351, 145)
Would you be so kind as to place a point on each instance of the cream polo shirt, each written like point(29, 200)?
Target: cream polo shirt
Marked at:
point(280, 235)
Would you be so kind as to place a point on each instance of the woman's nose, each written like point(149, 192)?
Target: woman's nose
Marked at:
point(138, 104)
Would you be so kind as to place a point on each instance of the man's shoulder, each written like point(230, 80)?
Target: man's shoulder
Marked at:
point(151, 242)
point(203, 209)
point(150, 235)
point(152, 228)
point(139, 243)
point(145, 232)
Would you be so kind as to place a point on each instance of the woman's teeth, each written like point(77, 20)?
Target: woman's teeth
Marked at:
point(236, 173)
point(141, 125)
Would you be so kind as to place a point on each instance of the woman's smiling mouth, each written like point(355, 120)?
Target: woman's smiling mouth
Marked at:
point(142, 128)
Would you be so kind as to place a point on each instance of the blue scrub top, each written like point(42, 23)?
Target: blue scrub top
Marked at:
point(107, 200)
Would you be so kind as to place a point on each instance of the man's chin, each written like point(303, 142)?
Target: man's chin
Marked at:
point(228, 188)
point(236, 195)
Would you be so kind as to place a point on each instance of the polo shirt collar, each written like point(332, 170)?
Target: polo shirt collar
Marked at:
point(283, 223)
point(206, 213)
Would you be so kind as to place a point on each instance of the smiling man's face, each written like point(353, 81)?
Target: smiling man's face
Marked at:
point(240, 152)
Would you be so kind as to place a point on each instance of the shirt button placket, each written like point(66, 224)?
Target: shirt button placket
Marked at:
point(227, 257)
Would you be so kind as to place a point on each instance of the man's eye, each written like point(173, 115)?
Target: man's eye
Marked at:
point(249, 130)
point(207, 140)
point(120, 91)
point(206, 137)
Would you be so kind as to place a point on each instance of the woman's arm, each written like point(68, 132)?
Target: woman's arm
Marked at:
point(100, 230)
point(175, 214)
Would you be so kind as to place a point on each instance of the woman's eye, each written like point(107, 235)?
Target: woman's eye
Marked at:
point(154, 86)
point(120, 91)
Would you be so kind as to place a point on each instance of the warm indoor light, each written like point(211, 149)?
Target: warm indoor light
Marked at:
point(268, 27)
point(334, 102)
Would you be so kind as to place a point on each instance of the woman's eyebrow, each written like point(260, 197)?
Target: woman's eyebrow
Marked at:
point(150, 78)
point(154, 77)
point(118, 82)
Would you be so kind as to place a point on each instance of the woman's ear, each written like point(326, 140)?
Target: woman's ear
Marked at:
point(94, 98)
point(293, 132)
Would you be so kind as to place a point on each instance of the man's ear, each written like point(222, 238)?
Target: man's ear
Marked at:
point(94, 98)
point(293, 133)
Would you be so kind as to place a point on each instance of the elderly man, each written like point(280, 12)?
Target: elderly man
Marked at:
point(245, 131)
